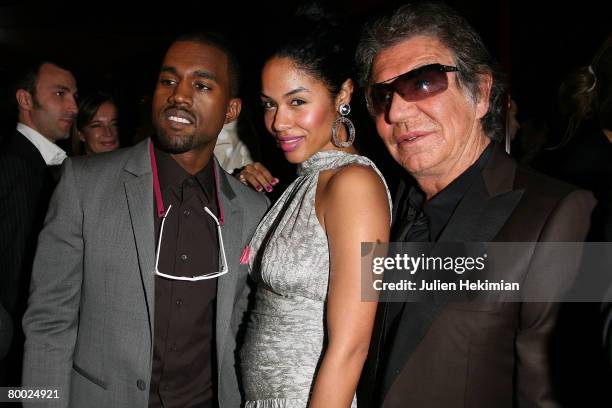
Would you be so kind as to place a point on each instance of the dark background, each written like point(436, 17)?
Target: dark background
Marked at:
point(117, 46)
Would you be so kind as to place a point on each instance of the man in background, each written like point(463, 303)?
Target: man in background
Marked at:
point(29, 163)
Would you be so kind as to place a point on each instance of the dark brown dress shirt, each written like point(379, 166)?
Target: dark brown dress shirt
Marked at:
point(184, 366)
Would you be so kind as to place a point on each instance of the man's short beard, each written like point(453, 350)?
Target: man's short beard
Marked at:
point(36, 105)
point(175, 145)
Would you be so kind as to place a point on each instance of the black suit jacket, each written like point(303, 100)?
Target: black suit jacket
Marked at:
point(6, 331)
point(26, 184)
point(448, 354)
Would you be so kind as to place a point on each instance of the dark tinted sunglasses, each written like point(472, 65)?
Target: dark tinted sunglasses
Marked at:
point(415, 85)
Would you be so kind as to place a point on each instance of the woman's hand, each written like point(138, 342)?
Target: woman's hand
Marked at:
point(258, 177)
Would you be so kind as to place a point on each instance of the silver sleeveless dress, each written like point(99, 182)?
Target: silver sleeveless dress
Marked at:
point(289, 260)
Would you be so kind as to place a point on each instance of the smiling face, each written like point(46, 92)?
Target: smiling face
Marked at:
point(101, 133)
point(435, 137)
point(299, 110)
point(192, 99)
point(52, 109)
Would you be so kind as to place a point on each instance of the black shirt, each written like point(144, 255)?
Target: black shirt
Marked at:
point(184, 366)
point(435, 214)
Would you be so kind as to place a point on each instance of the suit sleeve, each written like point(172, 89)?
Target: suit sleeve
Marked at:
point(6, 331)
point(19, 194)
point(568, 222)
point(50, 322)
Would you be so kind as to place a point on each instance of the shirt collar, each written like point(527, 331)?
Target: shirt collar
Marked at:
point(50, 152)
point(442, 206)
point(171, 173)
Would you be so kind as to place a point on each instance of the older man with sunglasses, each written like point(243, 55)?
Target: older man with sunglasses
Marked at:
point(436, 101)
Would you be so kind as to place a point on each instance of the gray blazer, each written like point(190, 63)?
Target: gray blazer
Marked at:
point(89, 322)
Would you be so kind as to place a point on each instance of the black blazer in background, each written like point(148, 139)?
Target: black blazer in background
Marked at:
point(6, 331)
point(26, 184)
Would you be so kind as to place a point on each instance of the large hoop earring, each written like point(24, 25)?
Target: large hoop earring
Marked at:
point(344, 110)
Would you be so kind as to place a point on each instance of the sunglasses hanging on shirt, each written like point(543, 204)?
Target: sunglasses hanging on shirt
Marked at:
point(163, 213)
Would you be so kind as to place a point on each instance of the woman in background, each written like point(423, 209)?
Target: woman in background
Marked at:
point(97, 125)
point(309, 331)
point(584, 157)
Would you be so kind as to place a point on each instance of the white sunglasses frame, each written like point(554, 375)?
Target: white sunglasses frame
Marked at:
point(224, 268)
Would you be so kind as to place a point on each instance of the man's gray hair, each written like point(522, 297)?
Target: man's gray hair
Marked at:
point(439, 21)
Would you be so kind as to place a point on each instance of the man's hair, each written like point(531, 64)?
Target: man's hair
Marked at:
point(220, 42)
point(28, 75)
point(441, 22)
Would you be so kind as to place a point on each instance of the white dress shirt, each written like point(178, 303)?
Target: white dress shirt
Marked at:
point(231, 152)
point(50, 152)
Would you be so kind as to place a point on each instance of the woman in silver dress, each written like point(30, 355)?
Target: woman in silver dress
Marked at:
point(308, 334)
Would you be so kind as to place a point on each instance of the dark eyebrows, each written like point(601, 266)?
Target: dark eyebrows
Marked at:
point(170, 70)
point(206, 75)
point(198, 73)
point(291, 92)
point(296, 90)
point(60, 87)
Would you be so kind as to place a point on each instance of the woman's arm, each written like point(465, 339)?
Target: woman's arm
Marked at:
point(354, 208)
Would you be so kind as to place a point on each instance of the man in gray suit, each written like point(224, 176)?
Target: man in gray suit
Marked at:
point(115, 320)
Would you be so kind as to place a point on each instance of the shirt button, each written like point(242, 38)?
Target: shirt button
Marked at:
point(184, 257)
point(179, 302)
point(166, 387)
point(187, 211)
point(141, 385)
point(174, 348)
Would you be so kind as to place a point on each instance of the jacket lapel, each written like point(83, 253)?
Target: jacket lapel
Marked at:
point(479, 216)
point(138, 184)
point(232, 240)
